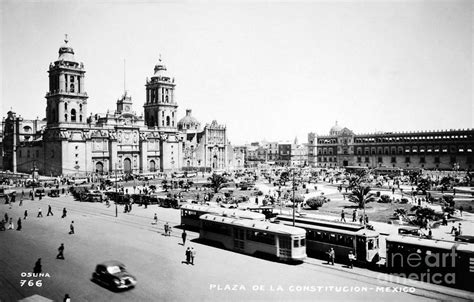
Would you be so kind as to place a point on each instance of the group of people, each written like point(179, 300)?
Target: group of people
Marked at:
point(350, 257)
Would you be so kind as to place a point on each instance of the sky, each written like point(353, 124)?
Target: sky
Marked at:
point(268, 70)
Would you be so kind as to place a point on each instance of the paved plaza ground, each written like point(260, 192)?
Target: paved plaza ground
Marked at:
point(157, 262)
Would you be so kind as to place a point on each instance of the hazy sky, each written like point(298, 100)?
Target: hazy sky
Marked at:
point(268, 70)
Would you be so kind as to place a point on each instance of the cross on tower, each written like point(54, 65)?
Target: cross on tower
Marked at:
point(65, 38)
point(159, 58)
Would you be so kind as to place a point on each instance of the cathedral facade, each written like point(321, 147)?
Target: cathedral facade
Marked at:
point(71, 142)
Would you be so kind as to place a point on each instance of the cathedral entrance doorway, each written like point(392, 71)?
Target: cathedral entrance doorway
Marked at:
point(99, 167)
point(127, 165)
point(214, 162)
point(152, 166)
point(345, 163)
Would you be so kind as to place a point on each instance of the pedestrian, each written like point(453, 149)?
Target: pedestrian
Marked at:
point(66, 298)
point(459, 229)
point(40, 213)
point(361, 219)
point(354, 215)
point(11, 226)
point(49, 211)
point(71, 227)
point(193, 255)
point(183, 235)
point(430, 233)
point(60, 252)
point(18, 228)
point(26, 214)
point(453, 230)
point(460, 210)
point(366, 219)
point(188, 255)
point(37, 269)
point(155, 219)
point(166, 229)
point(64, 213)
point(352, 258)
point(331, 256)
point(6, 217)
point(343, 216)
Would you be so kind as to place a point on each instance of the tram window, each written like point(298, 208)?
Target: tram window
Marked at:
point(371, 244)
point(285, 243)
point(296, 243)
point(303, 242)
point(261, 237)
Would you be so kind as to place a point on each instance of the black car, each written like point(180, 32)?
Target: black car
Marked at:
point(112, 274)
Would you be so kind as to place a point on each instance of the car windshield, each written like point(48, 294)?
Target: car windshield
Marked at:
point(114, 269)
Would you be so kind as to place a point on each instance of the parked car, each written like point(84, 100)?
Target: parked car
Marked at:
point(112, 274)
point(54, 193)
point(40, 192)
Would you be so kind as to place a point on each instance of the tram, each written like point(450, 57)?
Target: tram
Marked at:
point(435, 261)
point(190, 214)
point(322, 235)
point(253, 237)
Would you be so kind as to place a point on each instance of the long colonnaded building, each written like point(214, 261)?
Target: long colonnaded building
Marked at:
point(442, 149)
point(69, 142)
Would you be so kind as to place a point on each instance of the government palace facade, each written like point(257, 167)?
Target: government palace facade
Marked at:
point(432, 150)
point(71, 142)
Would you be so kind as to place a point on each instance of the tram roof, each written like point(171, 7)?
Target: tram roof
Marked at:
point(256, 225)
point(224, 212)
point(352, 227)
point(330, 229)
point(412, 240)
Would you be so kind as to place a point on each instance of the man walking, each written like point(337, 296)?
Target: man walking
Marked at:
point(183, 235)
point(49, 211)
point(352, 258)
point(37, 269)
point(26, 214)
point(71, 227)
point(11, 226)
point(188, 255)
point(343, 216)
point(354, 215)
point(155, 219)
point(64, 213)
point(60, 252)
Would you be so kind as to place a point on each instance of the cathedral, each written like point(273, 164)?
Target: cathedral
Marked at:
point(71, 142)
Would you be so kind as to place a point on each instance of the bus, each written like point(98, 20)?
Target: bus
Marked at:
point(190, 214)
point(322, 235)
point(258, 238)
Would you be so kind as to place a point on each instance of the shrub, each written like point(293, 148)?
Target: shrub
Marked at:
point(404, 200)
point(385, 199)
point(259, 193)
point(316, 202)
point(449, 199)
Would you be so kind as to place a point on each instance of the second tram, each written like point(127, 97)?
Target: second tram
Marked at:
point(257, 238)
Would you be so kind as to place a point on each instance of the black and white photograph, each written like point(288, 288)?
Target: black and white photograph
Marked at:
point(240, 150)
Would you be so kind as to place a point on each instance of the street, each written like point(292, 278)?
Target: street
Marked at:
point(157, 262)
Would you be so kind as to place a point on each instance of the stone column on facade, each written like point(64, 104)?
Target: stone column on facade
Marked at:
point(61, 82)
point(89, 167)
point(112, 155)
point(81, 84)
point(143, 156)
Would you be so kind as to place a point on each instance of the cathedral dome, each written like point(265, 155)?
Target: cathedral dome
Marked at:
point(335, 130)
point(160, 70)
point(188, 122)
point(66, 53)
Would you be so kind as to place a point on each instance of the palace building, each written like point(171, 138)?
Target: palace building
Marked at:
point(443, 149)
point(71, 142)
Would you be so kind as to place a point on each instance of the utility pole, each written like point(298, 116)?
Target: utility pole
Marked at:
point(293, 171)
point(116, 191)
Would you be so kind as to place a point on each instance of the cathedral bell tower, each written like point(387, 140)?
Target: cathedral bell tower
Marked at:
point(161, 107)
point(66, 98)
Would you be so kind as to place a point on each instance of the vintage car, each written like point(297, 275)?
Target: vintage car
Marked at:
point(112, 274)
point(40, 192)
point(54, 193)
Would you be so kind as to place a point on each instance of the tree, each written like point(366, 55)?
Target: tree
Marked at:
point(361, 195)
point(284, 177)
point(422, 214)
point(316, 202)
point(424, 185)
point(216, 182)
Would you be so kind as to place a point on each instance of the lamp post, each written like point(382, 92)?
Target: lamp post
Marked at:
point(293, 171)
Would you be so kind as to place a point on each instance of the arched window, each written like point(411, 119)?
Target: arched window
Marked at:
point(167, 121)
point(73, 115)
point(166, 99)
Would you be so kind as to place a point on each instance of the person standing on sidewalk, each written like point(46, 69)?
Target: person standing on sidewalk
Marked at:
point(37, 269)
point(352, 258)
point(193, 255)
point(343, 216)
point(183, 236)
point(332, 256)
point(18, 228)
point(40, 213)
point(64, 213)
point(11, 226)
point(26, 214)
